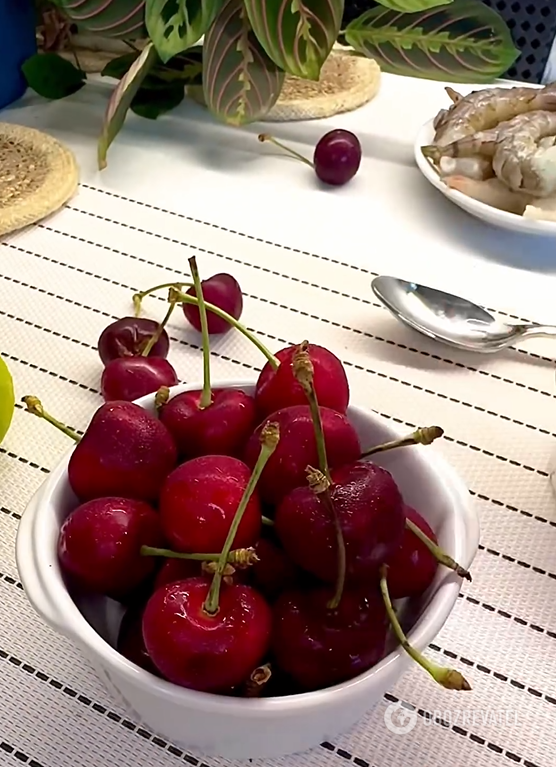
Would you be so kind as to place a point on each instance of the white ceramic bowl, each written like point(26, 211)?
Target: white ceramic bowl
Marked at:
point(241, 728)
point(487, 213)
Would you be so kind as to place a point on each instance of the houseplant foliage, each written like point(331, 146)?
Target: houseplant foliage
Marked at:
point(250, 46)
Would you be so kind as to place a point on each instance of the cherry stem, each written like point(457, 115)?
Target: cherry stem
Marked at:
point(138, 297)
point(320, 485)
point(186, 299)
point(304, 373)
point(240, 557)
point(269, 438)
point(34, 406)
point(206, 394)
point(265, 137)
point(424, 435)
point(257, 681)
point(268, 522)
point(446, 677)
point(439, 554)
point(158, 332)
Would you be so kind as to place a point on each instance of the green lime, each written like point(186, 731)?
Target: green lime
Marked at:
point(7, 399)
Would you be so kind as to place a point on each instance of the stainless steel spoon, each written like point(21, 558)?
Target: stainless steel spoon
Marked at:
point(450, 319)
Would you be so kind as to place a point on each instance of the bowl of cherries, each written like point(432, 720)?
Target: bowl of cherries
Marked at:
point(248, 565)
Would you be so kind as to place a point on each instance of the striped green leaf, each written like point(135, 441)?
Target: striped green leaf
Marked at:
point(464, 42)
point(121, 99)
point(175, 25)
point(110, 18)
point(412, 6)
point(240, 82)
point(298, 35)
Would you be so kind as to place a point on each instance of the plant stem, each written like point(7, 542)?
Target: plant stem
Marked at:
point(303, 371)
point(34, 406)
point(446, 677)
point(206, 394)
point(265, 137)
point(241, 557)
point(268, 522)
point(424, 435)
point(186, 299)
point(138, 297)
point(320, 485)
point(158, 332)
point(438, 553)
point(269, 438)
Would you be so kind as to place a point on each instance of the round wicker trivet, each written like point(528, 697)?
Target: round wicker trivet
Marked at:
point(38, 175)
point(347, 82)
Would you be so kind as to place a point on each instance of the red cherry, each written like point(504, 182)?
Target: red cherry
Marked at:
point(223, 291)
point(222, 428)
point(318, 647)
point(199, 500)
point(125, 451)
point(203, 652)
point(176, 570)
point(412, 568)
point(129, 378)
point(370, 508)
point(128, 336)
point(297, 448)
point(279, 388)
point(99, 544)
point(337, 157)
point(274, 572)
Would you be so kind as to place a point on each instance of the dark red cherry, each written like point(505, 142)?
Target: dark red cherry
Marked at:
point(223, 291)
point(412, 568)
point(129, 378)
point(337, 157)
point(128, 336)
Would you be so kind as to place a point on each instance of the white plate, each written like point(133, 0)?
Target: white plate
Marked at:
point(477, 209)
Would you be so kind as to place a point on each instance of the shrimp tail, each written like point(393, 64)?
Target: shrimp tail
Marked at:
point(431, 152)
point(453, 95)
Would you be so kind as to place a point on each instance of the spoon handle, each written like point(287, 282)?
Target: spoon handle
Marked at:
point(532, 331)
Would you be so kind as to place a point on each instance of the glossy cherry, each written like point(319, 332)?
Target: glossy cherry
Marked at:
point(318, 647)
point(174, 570)
point(278, 388)
point(99, 544)
point(125, 452)
point(199, 500)
point(129, 378)
point(221, 290)
point(222, 428)
point(211, 653)
point(371, 512)
point(128, 336)
point(337, 157)
point(274, 572)
point(412, 567)
point(297, 449)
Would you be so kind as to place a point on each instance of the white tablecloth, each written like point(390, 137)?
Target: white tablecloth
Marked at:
point(305, 259)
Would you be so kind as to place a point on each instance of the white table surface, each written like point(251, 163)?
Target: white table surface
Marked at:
point(305, 258)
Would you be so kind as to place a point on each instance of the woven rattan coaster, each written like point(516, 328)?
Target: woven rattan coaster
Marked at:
point(347, 82)
point(38, 175)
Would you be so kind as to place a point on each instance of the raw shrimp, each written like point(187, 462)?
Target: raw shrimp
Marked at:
point(491, 192)
point(478, 168)
point(525, 156)
point(484, 109)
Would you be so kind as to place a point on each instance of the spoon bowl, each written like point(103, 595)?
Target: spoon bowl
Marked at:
point(452, 320)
